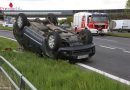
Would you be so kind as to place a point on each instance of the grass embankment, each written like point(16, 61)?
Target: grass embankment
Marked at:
point(5, 28)
point(48, 74)
point(4, 83)
point(127, 35)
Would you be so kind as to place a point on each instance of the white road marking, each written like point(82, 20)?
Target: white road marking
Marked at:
point(106, 40)
point(105, 74)
point(120, 48)
point(126, 51)
point(8, 38)
point(107, 47)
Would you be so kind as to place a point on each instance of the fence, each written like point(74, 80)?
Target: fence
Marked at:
point(22, 82)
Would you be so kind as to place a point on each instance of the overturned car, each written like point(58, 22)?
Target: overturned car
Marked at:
point(45, 37)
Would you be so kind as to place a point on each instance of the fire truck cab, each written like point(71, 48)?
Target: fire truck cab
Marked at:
point(97, 23)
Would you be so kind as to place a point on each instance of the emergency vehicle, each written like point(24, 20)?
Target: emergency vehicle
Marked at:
point(97, 23)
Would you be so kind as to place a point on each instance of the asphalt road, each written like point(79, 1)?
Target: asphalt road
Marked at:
point(8, 34)
point(112, 55)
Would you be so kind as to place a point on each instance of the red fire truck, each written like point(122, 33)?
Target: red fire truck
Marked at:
point(97, 23)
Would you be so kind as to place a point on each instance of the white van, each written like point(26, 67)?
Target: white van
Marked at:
point(96, 22)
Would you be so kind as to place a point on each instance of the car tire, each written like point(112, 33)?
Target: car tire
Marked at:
point(53, 41)
point(52, 19)
point(71, 61)
point(86, 36)
point(22, 21)
point(102, 34)
point(17, 34)
point(52, 44)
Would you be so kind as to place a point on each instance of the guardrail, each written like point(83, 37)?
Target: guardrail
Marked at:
point(23, 81)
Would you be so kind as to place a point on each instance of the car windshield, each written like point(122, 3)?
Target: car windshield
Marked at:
point(99, 18)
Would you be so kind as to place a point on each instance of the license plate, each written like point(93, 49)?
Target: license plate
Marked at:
point(82, 56)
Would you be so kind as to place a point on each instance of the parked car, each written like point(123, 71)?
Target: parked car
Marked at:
point(45, 37)
point(6, 24)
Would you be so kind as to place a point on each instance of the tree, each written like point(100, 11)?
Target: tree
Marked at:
point(62, 21)
point(128, 4)
point(68, 20)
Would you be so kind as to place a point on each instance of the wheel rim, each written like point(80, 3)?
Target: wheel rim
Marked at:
point(51, 42)
point(19, 21)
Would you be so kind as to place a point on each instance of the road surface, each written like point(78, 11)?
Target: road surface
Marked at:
point(112, 55)
point(8, 34)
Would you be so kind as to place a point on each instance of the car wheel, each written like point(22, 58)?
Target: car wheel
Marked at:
point(52, 44)
point(21, 21)
point(52, 19)
point(53, 41)
point(102, 34)
point(71, 61)
point(86, 36)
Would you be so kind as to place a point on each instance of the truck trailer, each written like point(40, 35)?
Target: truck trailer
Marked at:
point(120, 25)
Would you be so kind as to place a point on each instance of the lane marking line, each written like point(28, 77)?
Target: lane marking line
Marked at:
point(106, 39)
point(126, 51)
point(107, 47)
point(105, 74)
point(8, 38)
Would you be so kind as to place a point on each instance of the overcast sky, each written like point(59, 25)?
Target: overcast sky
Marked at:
point(64, 4)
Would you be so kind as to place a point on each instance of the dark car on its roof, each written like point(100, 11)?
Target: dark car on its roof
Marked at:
point(45, 37)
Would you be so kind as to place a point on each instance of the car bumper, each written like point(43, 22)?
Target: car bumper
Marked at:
point(95, 31)
point(77, 52)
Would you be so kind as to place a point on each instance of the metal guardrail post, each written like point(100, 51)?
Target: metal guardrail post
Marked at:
point(22, 84)
point(1, 62)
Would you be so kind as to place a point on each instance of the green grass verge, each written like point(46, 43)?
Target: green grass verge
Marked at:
point(5, 28)
point(48, 74)
point(127, 35)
